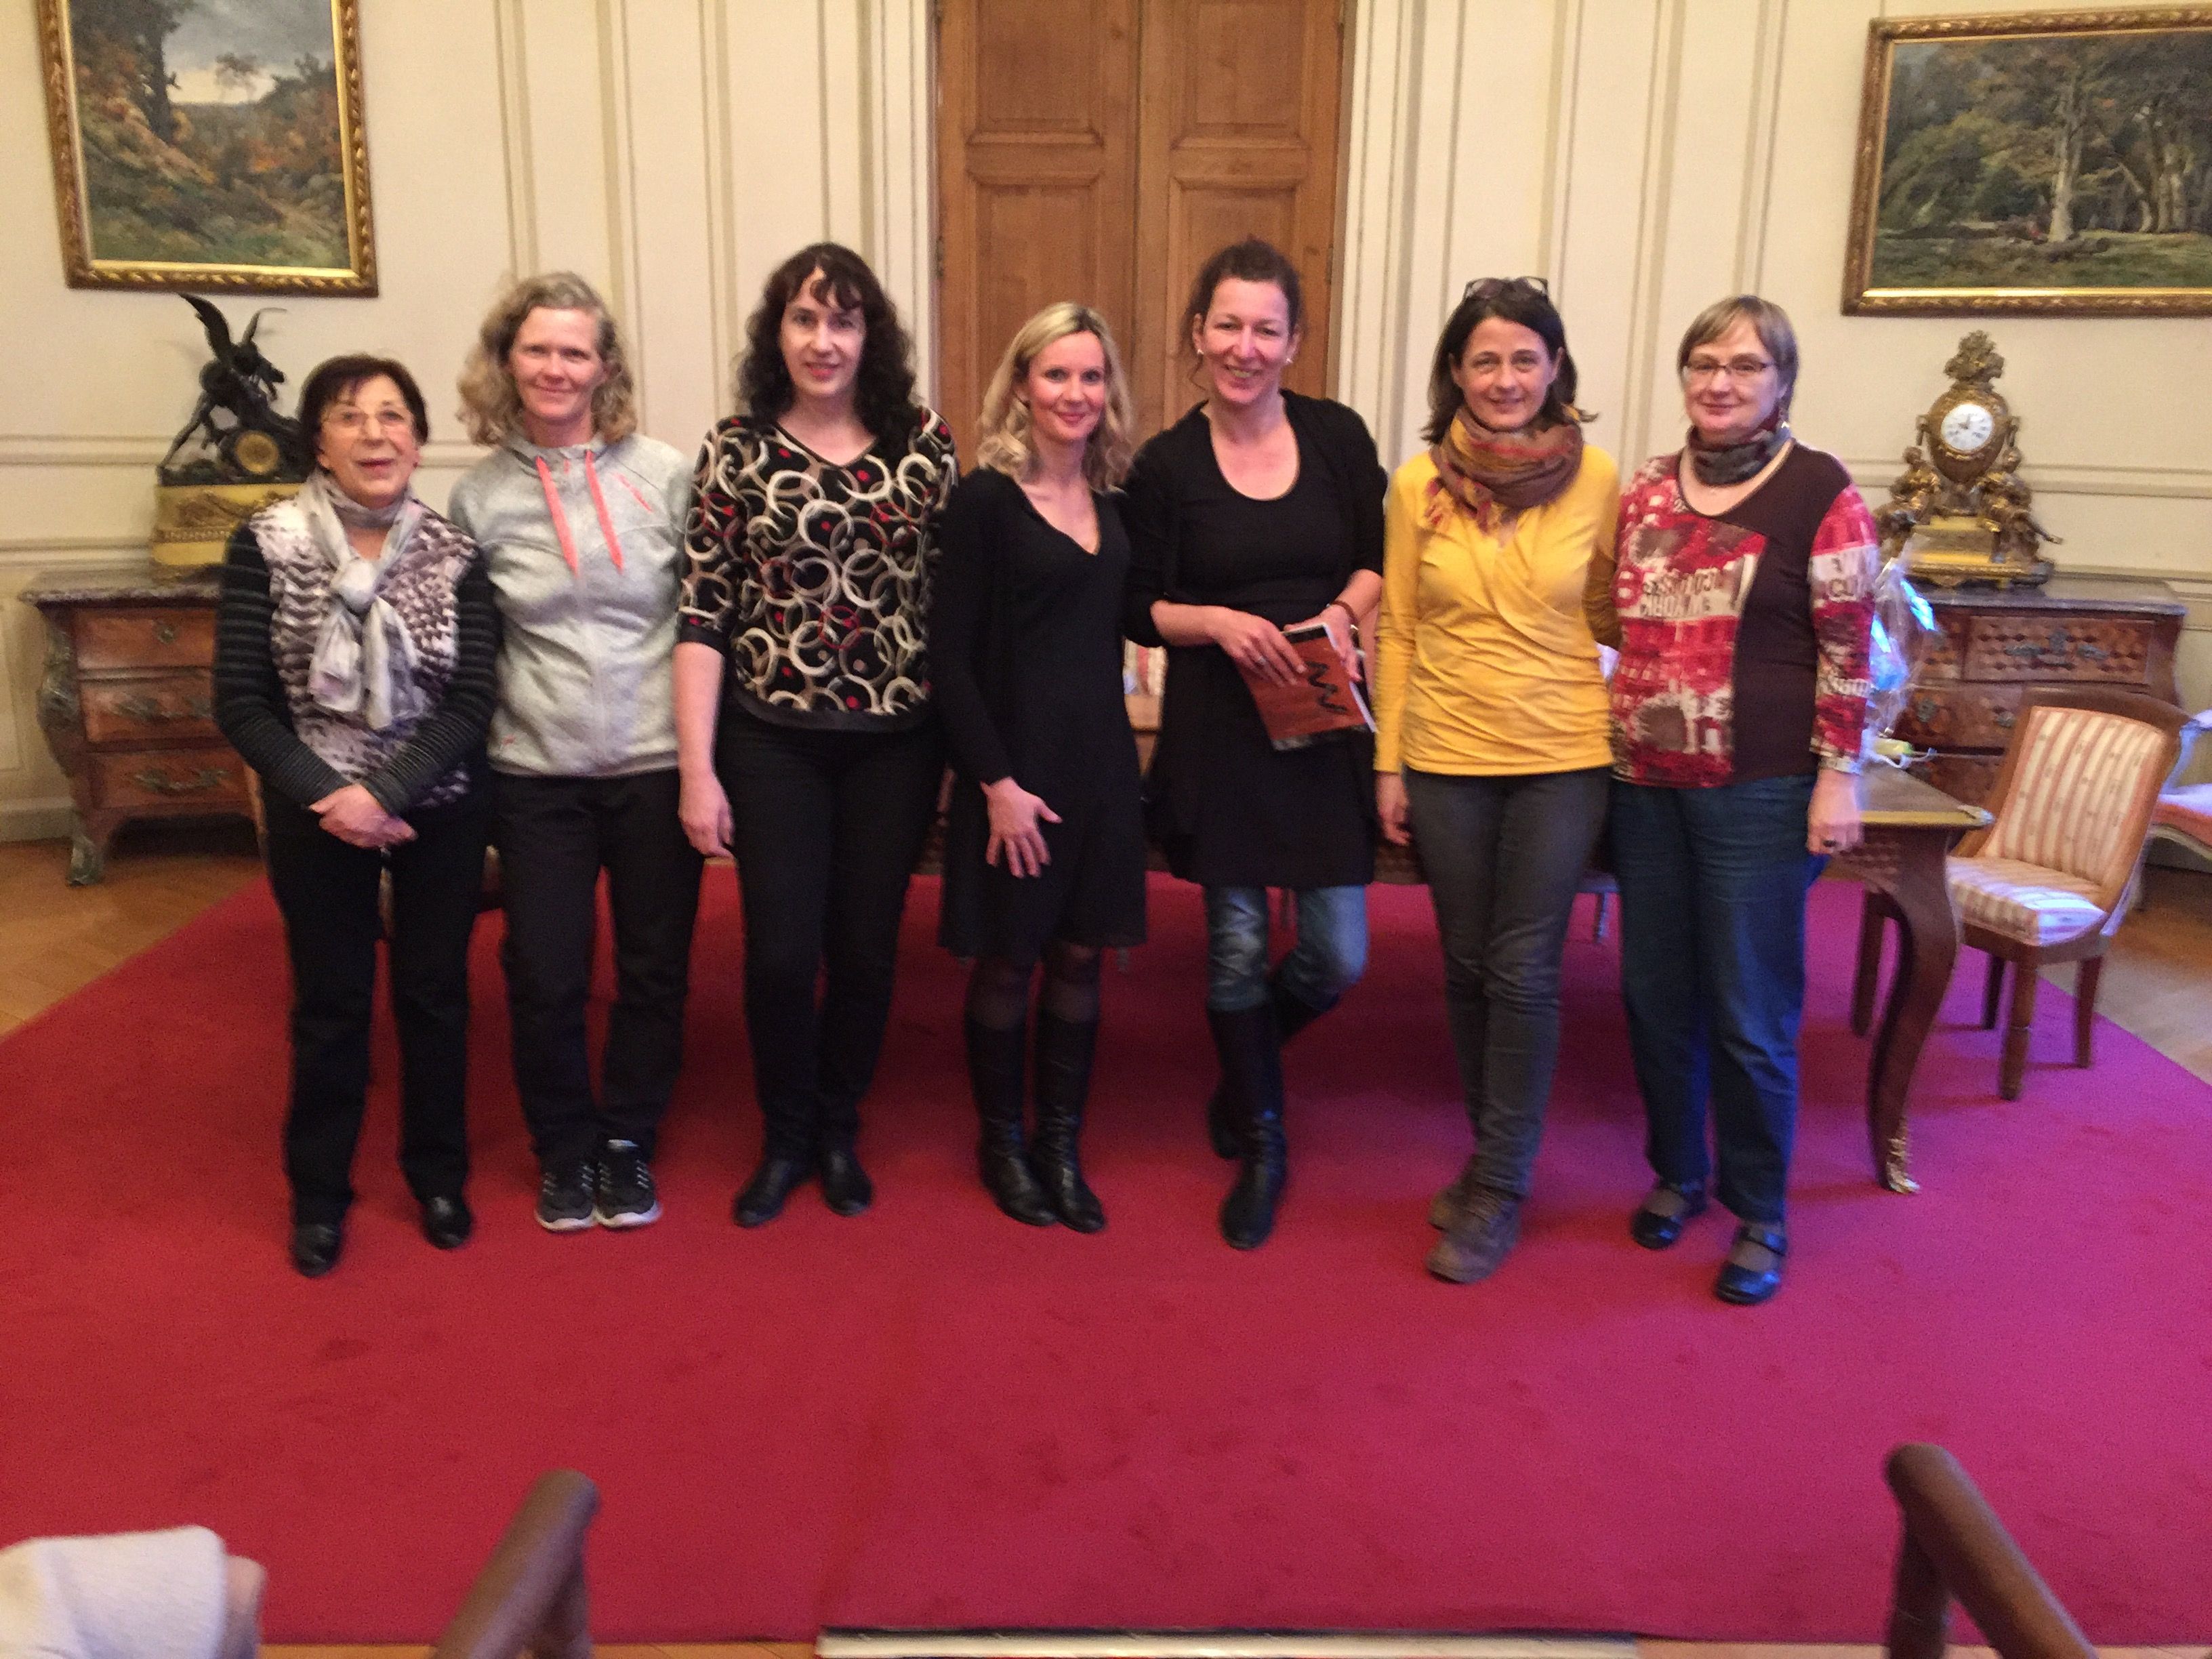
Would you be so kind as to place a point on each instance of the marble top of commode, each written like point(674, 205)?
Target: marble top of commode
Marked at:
point(135, 582)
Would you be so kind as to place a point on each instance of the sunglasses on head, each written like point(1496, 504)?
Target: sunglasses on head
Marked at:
point(1482, 288)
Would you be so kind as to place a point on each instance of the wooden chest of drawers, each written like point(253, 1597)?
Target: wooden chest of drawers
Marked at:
point(127, 704)
point(1996, 647)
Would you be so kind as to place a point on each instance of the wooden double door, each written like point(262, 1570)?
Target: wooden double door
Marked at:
point(1098, 150)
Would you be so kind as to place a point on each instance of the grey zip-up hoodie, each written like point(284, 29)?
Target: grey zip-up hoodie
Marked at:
point(585, 545)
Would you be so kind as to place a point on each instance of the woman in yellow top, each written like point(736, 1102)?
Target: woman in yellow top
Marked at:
point(1491, 747)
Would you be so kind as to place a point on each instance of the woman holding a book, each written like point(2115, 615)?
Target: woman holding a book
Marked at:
point(1491, 753)
point(1256, 517)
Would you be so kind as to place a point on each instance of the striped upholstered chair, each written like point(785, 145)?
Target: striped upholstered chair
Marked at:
point(2050, 878)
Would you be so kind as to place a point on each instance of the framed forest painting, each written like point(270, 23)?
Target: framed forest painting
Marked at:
point(2058, 163)
point(209, 144)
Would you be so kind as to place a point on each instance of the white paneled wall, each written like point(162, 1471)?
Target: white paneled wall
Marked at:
point(1644, 156)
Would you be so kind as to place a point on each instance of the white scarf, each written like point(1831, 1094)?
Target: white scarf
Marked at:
point(365, 659)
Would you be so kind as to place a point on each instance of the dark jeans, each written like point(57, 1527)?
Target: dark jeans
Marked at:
point(1503, 856)
point(555, 836)
point(328, 893)
point(828, 826)
point(1712, 969)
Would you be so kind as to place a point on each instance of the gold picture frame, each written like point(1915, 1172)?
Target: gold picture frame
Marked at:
point(264, 191)
point(2027, 173)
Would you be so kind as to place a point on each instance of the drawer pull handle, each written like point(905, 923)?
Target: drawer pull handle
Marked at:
point(152, 711)
point(2002, 718)
point(160, 783)
point(2089, 651)
point(2025, 651)
point(166, 633)
point(1924, 710)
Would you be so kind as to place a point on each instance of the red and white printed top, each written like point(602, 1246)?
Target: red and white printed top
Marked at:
point(1744, 638)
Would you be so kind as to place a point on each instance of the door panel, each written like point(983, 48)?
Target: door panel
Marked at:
point(1036, 170)
point(1100, 153)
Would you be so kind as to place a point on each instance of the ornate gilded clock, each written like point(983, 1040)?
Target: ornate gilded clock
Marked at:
point(1960, 513)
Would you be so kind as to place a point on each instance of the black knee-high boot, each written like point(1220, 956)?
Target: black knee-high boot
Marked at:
point(1251, 1054)
point(995, 1058)
point(1292, 1016)
point(1063, 1049)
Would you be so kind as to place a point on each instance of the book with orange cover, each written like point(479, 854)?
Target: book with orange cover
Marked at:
point(1326, 699)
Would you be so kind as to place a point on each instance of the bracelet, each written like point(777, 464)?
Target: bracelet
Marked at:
point(1349, 621)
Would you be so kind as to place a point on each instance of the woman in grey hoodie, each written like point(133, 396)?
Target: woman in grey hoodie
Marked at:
point(580, 520)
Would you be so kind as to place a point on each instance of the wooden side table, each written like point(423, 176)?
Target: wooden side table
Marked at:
point(128, 702)
point(1909, 827)
point(1996, 646)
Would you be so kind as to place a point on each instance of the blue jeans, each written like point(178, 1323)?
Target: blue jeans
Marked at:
point(1712, 969)
point(1330, 954)
point(1503, 857)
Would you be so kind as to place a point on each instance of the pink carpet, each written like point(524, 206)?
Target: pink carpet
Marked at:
point(934, 1417)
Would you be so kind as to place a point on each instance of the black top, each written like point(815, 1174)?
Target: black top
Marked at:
point(813, 577)
point(1025, 644)
point(1228, 808)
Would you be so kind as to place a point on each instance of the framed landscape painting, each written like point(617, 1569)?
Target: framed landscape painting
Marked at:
point(209, 144)
point(2058, 163)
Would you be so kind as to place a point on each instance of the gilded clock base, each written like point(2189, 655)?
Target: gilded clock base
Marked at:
point(192, 522)
point(1958, 568)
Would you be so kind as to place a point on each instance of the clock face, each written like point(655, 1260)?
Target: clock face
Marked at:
point(1966, 428)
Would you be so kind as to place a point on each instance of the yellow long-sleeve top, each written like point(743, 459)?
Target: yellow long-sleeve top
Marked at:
point(1485, 661)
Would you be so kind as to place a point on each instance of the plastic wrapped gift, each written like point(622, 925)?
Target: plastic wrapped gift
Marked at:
point(1903, 633)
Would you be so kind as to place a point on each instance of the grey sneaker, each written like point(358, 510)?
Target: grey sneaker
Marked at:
point(564, 1197)
point(1444, 1208)
point(624, 1196)
point(1482, 1235)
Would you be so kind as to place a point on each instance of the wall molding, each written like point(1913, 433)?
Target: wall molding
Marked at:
point(512, 77)
point(44, 819)
point(125, 449)
point(2176, 484)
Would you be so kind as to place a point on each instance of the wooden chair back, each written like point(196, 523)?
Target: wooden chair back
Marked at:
point(2078, 783)
point(1954, 1548)
point(530, 1597)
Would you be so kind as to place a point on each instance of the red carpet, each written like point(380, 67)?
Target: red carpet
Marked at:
point(932, 1416)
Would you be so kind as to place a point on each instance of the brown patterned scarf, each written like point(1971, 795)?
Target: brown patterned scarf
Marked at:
point(1490, 474)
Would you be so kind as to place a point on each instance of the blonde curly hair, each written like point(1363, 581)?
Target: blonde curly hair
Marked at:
point(1003, 432)
point(491, 407)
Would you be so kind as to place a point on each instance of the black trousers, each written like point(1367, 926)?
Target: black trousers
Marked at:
point(555, 836)
point(328, 894)
point(827, 827)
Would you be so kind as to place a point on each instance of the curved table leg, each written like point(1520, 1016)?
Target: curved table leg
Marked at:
point(1928, 948)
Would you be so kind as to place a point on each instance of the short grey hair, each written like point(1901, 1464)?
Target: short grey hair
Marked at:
point(1768, 320)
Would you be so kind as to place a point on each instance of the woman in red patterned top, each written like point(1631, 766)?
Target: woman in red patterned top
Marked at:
point(1743, 583)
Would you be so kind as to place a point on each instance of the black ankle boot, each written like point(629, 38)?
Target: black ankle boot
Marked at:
point(995, 1058)
point(1252, 1063)
point(763, 1197)
point(1064, 1048)
point(1292, 1016)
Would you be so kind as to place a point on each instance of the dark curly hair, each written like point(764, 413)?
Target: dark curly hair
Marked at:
point(1519, 300)
point(883, 396)
point(1248, 261)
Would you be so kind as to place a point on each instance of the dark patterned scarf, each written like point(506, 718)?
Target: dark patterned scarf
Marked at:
point(1719, 465)
point(1489, 473)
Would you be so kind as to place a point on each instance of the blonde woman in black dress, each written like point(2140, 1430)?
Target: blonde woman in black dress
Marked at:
point(1044, 852)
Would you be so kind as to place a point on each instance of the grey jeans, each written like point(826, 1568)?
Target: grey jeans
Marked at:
point(1503, 856)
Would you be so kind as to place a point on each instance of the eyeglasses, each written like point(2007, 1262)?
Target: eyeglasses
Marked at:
point(350, 420)
point(1483, 288)
point(1736, 368)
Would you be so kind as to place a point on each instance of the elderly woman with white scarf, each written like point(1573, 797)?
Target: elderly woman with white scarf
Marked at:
point(355, 649)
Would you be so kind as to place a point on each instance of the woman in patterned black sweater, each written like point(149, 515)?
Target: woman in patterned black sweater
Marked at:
point(355, 645)
point(806, 737)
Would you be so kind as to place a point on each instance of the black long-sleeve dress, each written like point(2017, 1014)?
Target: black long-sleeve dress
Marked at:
point(1226, 807)
point(1026, 650)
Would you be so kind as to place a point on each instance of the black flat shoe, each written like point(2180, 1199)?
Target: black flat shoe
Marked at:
point(315, 1246)
point(846, 1187)
point(1745, 1282)
point(446, 1222)
point(1659, 1219)
point(762, 1201)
